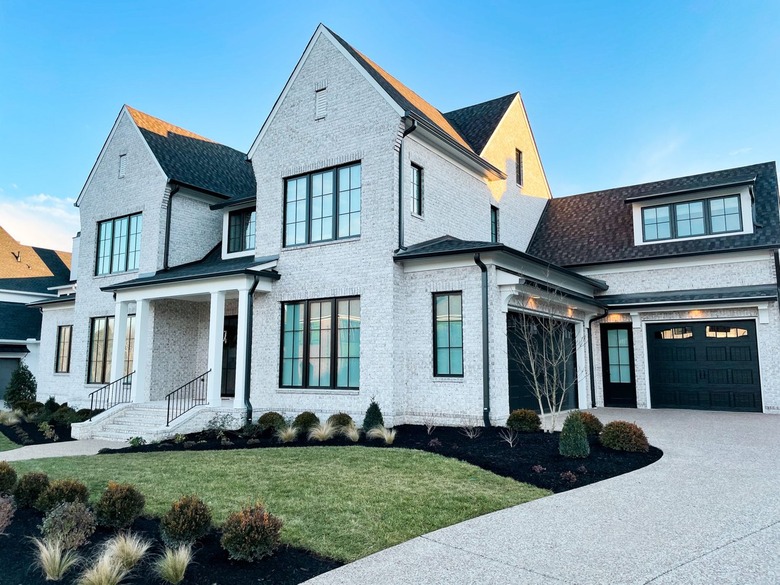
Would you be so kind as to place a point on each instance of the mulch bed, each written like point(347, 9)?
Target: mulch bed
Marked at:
point(211, 566)
point(27, 433)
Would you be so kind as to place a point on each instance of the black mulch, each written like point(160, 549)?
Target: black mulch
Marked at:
point(211, 566)
point(27, 433)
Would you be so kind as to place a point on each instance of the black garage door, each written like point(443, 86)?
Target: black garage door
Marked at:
point(704, 365)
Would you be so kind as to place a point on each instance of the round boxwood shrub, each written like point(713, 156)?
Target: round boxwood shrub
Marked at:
point(624, 436)
point(7, 478)
point(119, 505)
point(71, 524)
point(271, 421)
point(62, 491)
point(573, 441)
point(305, 421)
point(251, 534)
point(593, 425)
point(524, 420)
point(188, 520)
point(373, 417)
point(30, 487)
point(341, 420)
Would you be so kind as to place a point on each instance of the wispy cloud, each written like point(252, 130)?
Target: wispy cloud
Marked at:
point(740, 151)
point(40, 220)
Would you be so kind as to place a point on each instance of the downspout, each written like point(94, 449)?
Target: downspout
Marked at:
point(777, 275)
point(248, 361)
point(590, 356)
point(168, 213)
point(410, 126)
point(485, 343)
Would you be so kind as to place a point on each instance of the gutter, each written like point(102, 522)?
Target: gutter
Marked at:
point(590, 356)
point(168, 212)
point(485, 343)
point(248, 361)
point(410, 126)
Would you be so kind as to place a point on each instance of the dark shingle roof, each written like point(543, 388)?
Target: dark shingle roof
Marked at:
point(196, 161)
point(19, 322)
point(700, 296)
point(597, 228)
point(29, 268)
point(478, 122)
point(209, 266)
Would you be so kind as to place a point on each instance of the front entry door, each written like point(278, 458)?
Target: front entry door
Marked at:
point(617, 364)
point(229, 350)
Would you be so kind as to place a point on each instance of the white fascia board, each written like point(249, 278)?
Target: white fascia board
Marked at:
point(539, 271)
point(430, 141)
point(23, 297)
point(437, 263)
point(321, 31)
point(195, 287)
point(225, 224)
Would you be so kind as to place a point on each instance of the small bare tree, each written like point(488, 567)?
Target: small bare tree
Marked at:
point(545, 347)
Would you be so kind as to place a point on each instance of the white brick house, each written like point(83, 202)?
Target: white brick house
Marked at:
point(367, 246)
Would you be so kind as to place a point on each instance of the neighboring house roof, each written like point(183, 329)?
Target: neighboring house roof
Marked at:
point(767, 292)
point(477, 123)
point(195, 161)
point(209, 266)
point(597, 228)
point(31, 269)
point(19, 322)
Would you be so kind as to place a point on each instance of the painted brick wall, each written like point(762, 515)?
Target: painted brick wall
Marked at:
point(195, 229)
point(61, 386)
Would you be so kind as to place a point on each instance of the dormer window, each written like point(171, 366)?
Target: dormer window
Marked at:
point(241, 230)
point(687, 219)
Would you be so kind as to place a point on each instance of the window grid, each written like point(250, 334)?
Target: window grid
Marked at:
point(241, 230)
point(320, 343)
point(494, 233)
point(322, 201)
point(292, 344)
point(101, 341)
point(417, 190)
point(619, 358)
point(348, 348)
point(692, 218)
point(448, 334)
point(119, 244)
point(62, 359)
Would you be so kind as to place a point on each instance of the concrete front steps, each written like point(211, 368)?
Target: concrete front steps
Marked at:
point(147, 420)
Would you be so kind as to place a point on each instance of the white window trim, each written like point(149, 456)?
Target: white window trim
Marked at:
point(226, 222)
point(744, 203)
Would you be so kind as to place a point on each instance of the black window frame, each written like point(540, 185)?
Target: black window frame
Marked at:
point(495, 227)
point(305, 355)
point(418, 190)
point(127, 251)
point(706, 205)
point(519, 167)
point(59, 368)
point(248, 216)
point(436, 373)
point(127, 355)
point(335, 211)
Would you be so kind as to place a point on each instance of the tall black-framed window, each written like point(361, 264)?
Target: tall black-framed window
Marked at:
point(700, 217)
point(448, 334)
point(320, 345)
point(241, 230)
point(323, 206)
point(519, 167)
point(417, 190)
point(119, 244)
point(494, 234)
point(101, 339)
point(62, 358)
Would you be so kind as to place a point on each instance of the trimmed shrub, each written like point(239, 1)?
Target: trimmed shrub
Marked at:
point(341, 420)
point(188, 520)
point(305, 421)
point(373, 417)
point(524, 420)
point(71, 524)
point(120, 505)
point(251, 534)
point(30, 487)
point(62, 491)
point(7, 478)
point(573, 441)
point(21, 388)
point(7, 510)
point(83, 414)
point(624, 436)
point(64, 415)
point(271, 421)
point(593, 425)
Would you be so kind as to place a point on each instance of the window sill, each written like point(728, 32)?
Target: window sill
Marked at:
point(418, 216)
point(320, 391)
point(115, 274)
point(448, 379)
point(242, 254)
point(320, 244)
point(688, 238)
point(59, 374)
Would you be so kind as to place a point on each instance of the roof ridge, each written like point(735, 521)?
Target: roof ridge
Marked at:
point(503, 97)
point(156, 125)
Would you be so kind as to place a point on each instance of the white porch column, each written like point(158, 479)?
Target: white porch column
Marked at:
point(140, 391)
point(241, 346)
point(120, 338)
point(216, 331)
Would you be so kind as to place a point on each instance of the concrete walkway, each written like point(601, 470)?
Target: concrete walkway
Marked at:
point(64, 449)
point(707, 513)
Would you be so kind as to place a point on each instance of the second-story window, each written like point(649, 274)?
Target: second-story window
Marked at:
point(692, 218)
point(519, 167)
point(241, 230)
point(493, 224)
point(417, 190)
point(322, 206)
point(119, 245)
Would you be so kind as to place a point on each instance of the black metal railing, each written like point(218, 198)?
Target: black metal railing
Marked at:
point(113, 393)
point(188, 396)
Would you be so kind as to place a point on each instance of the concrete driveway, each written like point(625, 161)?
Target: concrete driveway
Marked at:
point(707, 513)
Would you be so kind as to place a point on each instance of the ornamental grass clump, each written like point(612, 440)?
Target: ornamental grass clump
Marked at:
point(7, 511)
point(62, 491)
point(524, 420)
point(322, 431)
point(351, 432)
point(573, 441)
point(188, 520)
point(126, 549)
point(53, 559)
point(171, 566)
point(105, 571)
point(306, 421)
point(624, 436)
point(71, 524)
point(7, 478)
point(382, 433)
point(287, 434)
point(373, 417)
point(119, 505)
point(251, 534)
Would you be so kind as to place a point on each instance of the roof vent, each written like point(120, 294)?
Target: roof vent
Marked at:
point(320, 103)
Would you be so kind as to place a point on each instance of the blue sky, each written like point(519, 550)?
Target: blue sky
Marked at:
point(617, 92)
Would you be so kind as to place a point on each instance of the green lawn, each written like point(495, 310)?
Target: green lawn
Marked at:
point(6, 444)
point(341, 502)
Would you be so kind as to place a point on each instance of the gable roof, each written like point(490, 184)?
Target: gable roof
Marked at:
point(195, 161)
point(477, 123)
point(29, 268)
point(19, 322)
point(597, 228)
